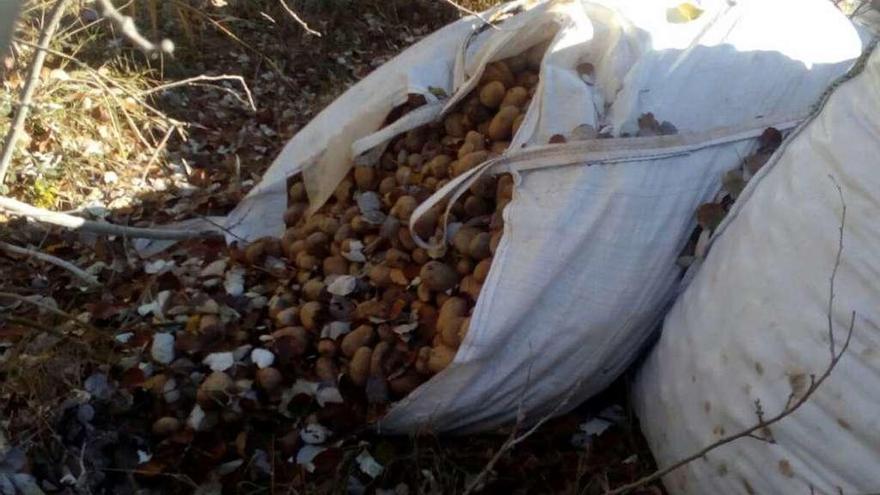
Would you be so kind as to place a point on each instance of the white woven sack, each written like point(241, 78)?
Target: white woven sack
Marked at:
point(586, 266)
point(754, 323)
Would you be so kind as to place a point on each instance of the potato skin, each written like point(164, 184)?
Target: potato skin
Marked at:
point(492, 94)
point(501, 126)
point(361, 336)
point(359, 366)
point(439, 358)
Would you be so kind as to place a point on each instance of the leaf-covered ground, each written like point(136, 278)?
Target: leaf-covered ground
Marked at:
point(93, 402)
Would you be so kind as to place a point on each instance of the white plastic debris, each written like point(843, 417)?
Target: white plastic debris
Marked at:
point(335, 329)
point(342, 285)
point(162, 350)
point(328, 395)
point(158, 266)
point(233, 283)
point(219, 361)
point(214, 269)
point(405, 330)
point(368, 464)
point(196, 418)
point(314, 434)
point(262, 358)
point(157, 306)
point(170, 392)
point(355, 252)
point(307, 455)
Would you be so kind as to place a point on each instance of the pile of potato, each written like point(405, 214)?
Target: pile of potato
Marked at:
point(366, 302)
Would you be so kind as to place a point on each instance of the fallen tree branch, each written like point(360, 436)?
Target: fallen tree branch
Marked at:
point(30, 86)
point(792, 404)
point(298, 19)
point(155, 155)
point(18, 208)
point(191, 80)
point(474, 13)
point(513, 439)
point(48, 258)
point(50, 309)
point(128, 29)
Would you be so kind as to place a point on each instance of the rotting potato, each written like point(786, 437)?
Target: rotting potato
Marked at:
point(501, 126)
point(359, 337)
point(438, 276)
point(269, 379)
point(215, 390)
point(481, 271)
point(359, 366)
point(439, 358)
point(517, 96)
point(309, 313)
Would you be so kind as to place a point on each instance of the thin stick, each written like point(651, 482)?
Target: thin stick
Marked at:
point(48, 258)
point(298, 19)
point(224, 77)
point(791, 405)
point(156, 152)
point(128, 29)
point(50, 309)
point(513, 440)
point(471, 12)
point(27, 92)
point(76, 223)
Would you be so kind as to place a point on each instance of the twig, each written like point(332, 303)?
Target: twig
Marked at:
point(474, 13)
point(69, 221)
point(128, 28)
point(156, 152)
point(513, 440)
point(27, 92)
point(298, 19)
point(224, 77)
point(48, 258)
point(791, 405)
point(50, 309)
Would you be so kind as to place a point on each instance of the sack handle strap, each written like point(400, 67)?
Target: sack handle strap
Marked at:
point(589, 152)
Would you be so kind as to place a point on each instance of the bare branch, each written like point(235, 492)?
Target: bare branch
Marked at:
point(50, 309)
point(30, 86)
point(790, 407)
point(298, 19)
point(127, 27)
point(48, 258)
point(76, 223)
point(155, 155)
point(191, 80)
point(474, 13)
point(513, 439)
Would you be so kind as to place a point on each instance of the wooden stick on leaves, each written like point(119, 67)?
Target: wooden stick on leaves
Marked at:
point(48, 258)
point(18, 208)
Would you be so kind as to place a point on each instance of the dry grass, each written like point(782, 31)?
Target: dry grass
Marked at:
point(88, 127)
